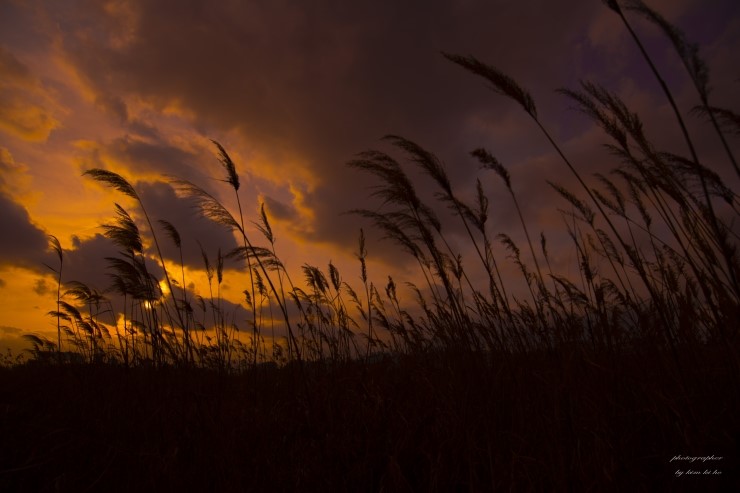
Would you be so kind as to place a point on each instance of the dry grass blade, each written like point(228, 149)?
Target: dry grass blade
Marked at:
point(125, 233)
point(482, 202)
point(362, 255)
point(243, 253)
point(501, 83)
point(126, 277)
point(687, 169)
point(490, 162)
point(219, 266)
point(586, 212)
point(588, 106)
point(428, 161)
point(615, 193)
point(231, 176)
point(56, 246)
point(398, 188)
point(630, 121)
point(113, 180)
point(315, 278)
point(264, 225)
point(509, 244)
point(334, 276)
point(259, 284)
point(607, 202)
point(82, 292)
point(206, 263)
point(392, 231)
point(171, 231)
point(728, 119)
point(689, 52)
point(613, 5)
point(207, 204)
point(636, 191)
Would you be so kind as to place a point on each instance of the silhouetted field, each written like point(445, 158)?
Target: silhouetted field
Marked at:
point(621, 377)
point(565, 421)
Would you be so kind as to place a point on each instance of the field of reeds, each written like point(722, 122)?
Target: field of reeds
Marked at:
point(622, 377)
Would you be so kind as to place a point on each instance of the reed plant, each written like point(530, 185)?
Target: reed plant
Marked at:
point(458, 382)
point(655, 260)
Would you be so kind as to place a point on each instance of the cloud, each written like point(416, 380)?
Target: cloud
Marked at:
point(21, 114)
point(23, 243)
point(25, 120)
point(7, 330)
point(41, 287)
point(114, 106)
point(14, 71)
point(144, 157)
point(279, 210)
point(11, 341)
point(294, 91)
point(86, 263)
point(13, 176)
point(195, 231)
point(328, 83)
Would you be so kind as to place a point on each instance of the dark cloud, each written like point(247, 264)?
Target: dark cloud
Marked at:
point(195, 231)
point(14, 71)
point(18, 116)
point(23, 111)
point(330, 80)
point(113, 105)
point(86, 263)
point(7, 330)
point(11, 342)
point(10, 172)
point(40, 287)
point(22, 244)
point(279, 210)
point(149, 157)
point(310, 85)
point(320, 82)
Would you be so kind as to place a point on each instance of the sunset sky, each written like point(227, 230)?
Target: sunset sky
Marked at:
point(294, 90)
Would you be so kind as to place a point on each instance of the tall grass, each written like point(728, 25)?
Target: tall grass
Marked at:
point(656, 262)
point(574, 382)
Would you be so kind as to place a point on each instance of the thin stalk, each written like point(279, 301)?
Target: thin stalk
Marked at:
point(724, 248)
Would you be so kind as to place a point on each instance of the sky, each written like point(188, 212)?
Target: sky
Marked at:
point(294, 91)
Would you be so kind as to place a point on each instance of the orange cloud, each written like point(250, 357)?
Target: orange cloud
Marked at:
point(21, 113)
point(14, 71)
point(126, 23)
point(23, 306)
point(14, 179)
point(25, 120)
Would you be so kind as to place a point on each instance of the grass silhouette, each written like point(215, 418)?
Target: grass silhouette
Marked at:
point(591, 382)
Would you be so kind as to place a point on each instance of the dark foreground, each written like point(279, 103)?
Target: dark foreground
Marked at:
point(565, 422)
